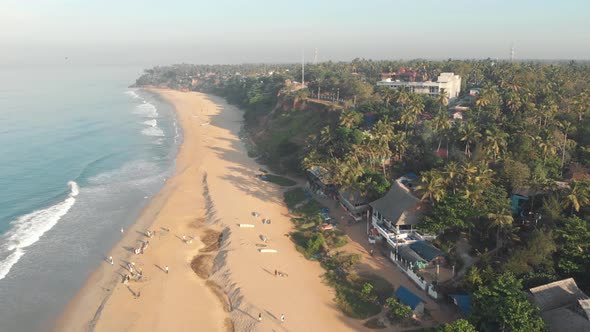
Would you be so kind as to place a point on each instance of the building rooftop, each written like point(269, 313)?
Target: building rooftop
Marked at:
point(399, 205)
point(409, 255)
point(426, 250)
point(557, 294)
point(408, 298)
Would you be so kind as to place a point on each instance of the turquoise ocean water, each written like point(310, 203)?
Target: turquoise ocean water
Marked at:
point(80, 155)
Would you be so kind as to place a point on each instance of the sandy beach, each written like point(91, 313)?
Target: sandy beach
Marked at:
point(214, 189)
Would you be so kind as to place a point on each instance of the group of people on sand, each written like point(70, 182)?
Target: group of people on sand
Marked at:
point(260, 317)
point(136, 274)
point(280, 274)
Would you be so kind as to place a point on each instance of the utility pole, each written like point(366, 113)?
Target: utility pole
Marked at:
point(512, 52)
point(337, 95)
point(318, 92)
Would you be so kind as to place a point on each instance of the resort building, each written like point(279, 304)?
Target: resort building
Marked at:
point(317, 179)
point(564, 307)
point(355, 204)
point(450, 82)
point(395, 214)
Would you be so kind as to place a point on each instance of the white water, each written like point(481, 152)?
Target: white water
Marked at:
point(29, 228)
point(146, 110)
point(153, 131)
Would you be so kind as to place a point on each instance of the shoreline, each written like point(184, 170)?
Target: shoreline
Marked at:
point(214, 187)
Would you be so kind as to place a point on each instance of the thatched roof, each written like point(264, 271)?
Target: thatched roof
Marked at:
point(557, 294)
point(399, 205)
point(565, 320)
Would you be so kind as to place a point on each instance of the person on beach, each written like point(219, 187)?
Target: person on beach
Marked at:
point(260, 317)
point(276, 273)
point(149, 234)
point(111, 260)
point(122, 231)
point(282, 318)
point(166, 269)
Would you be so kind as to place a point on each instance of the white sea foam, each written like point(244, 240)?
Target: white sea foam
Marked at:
point(132, 170)
point(146, 110)
point(153, 131)
point(132, 93)
point(151, 123)
point(29, 228)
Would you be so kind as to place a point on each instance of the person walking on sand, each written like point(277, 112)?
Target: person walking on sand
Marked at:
point(276, 273)
point(282, 318)
point(166, 269)
point(260, 317)
point(111, 260)
point(122, 231)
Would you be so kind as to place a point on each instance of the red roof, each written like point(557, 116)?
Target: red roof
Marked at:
point(441, 152)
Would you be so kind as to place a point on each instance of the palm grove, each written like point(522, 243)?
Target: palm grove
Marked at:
point(529, 127)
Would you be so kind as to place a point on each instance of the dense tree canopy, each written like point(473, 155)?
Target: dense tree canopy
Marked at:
point(526, 131)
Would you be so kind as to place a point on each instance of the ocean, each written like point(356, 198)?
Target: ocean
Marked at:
point(81, 155)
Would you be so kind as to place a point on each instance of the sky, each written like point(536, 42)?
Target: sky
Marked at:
point(159, 32)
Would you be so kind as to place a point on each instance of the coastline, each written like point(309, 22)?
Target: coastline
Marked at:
point(213, 187)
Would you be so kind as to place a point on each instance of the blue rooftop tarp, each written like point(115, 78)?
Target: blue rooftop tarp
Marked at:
point(408, 298)
point(464, 303)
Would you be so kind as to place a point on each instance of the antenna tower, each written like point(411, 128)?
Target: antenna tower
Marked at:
point(315, 56)
point(303, 68)
point(512, 53)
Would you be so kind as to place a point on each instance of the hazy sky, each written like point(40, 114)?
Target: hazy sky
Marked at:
point(147, 32)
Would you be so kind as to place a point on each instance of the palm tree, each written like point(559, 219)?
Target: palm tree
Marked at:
point(495, 142)
point(402, 96)
point(400, 144)
point(469, 136)
point(547, 145)
point(451, 171)
point(442, 124)
point(383, 134)
point(432, 186)
point(577, 195)
point(566, 126)
point(349, 119)
point(387, 94)
point(502, 221)
point(513, 101)
point(442, 99)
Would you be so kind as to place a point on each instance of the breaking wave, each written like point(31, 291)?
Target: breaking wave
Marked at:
point(29, 228)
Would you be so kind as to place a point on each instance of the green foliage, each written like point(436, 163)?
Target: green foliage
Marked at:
point(535, 256)
point(502, 305)
point(294, 196)
point(397, 310)
point(574, 253)
point(368, 292)
point(454, 212)
point(516, 173)
point(460, 325)
point(353, 296)
point(280, 180)
point(314, 245)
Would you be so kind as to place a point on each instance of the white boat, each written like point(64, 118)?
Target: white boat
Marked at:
point(246, 225)
point(268, 250)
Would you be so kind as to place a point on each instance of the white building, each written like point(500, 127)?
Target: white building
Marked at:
point(450, 82)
